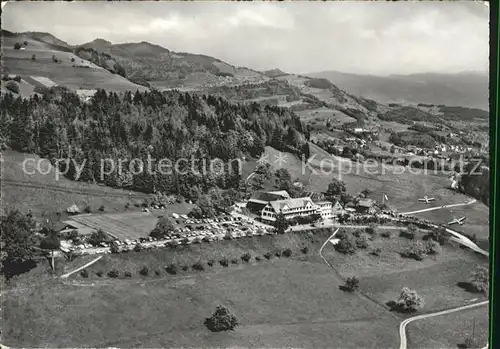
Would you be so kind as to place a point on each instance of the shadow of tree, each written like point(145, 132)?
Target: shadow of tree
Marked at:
point(467, 286)
point(393, 306)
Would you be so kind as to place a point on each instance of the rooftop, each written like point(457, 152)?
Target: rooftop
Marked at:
point(280, 192)
point(291, 203)
point(366, 203)
point(265, 197)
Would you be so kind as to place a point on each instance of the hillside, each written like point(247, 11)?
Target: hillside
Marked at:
point(171, 126)
point(467, 89)
point(44, 61)
point(31, 191)
point(167, 69)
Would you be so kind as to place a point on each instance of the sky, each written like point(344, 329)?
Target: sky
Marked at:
point(379, 38)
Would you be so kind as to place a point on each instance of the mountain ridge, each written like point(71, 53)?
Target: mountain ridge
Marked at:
point(467, 89)
point(156, 66)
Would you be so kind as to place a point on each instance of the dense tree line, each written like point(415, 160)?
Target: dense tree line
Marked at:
point(476, 182)
point(22, 243)
point(149, 125)
point(101, 59)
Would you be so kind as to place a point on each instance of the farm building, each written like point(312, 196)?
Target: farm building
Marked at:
point(68, 226)
point(366, 206)
point(350, 207)
point(337, 208)
point(315, 196)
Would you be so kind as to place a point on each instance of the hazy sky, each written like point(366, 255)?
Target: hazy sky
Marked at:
point(373, 37)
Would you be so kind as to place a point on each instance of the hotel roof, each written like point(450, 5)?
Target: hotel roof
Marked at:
point(291, 203)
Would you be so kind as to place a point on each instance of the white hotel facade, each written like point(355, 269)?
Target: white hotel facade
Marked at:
point(305, 206)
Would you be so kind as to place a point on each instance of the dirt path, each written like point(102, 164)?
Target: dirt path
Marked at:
point(65, 276)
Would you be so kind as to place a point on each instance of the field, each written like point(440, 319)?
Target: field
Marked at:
point(279, 303)
point(49, 43)
point(477, 220)
point(449, 331)
point(289, 161)
point(322, 115)
point(44, 81)
point(436, 278)
point(403, 186)
point(40, 193)
point(129, 225)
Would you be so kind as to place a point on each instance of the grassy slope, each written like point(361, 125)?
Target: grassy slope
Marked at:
point(44, 193)
point(19, 62)
point(402, 187)
point(477, 221)
point(322, 115)
point(448, 331)
point(435, 278)
point(283, 302)
point(291, 162)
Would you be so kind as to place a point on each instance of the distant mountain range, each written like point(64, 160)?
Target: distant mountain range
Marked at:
point(468, 89)
point(152, 65)
point(144, 61)
point(155, 63)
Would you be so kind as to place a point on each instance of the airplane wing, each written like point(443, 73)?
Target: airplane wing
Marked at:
point(431, 199)
point(462, 219)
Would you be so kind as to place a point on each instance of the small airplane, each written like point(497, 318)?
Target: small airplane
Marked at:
point(427, 199)
point(457, 221)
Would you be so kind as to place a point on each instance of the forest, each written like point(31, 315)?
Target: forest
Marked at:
point(160, 125)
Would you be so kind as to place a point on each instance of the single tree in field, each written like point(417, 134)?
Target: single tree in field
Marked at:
point(365, 192)
point(12, 86)
point(163, 227)
point(409, 300)
point(439, 235)
point(336, 188)
point(280, 224)
point(283, 179)
point(221, 320)
point(98, 237)
point(50, 242)
point(265, 170)
point(479, 279)
point(346, 243)
point(351, 284)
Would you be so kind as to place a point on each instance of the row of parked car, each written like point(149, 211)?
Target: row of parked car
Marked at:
point(209, 220)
